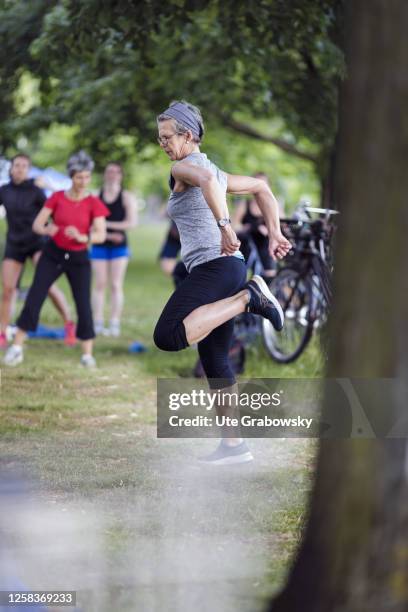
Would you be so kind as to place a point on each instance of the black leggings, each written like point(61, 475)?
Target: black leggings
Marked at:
point(52, 263)
point(209, 282)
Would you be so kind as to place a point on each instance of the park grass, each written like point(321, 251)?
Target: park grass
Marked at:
point(89, 438)
point(51, 390)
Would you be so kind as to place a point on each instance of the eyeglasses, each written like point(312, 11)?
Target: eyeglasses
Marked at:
point(163, 140)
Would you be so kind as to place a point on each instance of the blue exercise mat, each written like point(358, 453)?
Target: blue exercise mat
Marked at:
point(47, 332)
point(137, 347)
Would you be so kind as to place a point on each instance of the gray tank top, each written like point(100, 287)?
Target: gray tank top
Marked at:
point(200, 235)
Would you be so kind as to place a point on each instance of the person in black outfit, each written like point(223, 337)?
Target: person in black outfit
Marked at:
point(170, 250)
point(23, 199)
point(248, 220)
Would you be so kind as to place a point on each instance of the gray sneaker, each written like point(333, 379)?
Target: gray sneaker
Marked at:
point(88, 361)
point(262, 302)
point(228, 455)
point(14, 355)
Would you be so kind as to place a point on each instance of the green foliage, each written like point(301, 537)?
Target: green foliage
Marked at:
point(147, 172)
point(111, 67)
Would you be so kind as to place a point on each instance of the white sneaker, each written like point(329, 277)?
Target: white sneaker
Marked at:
point(88, 361)
point(99, 328)
point(14, 355)
point(114, 329)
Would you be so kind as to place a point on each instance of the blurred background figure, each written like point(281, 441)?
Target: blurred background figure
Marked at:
point(170, 250)
point(168, 256)
point(110, 259)
point(248, 222)
point(22, 200)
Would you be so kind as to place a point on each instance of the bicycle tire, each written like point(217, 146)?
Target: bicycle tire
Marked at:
point(295, 296)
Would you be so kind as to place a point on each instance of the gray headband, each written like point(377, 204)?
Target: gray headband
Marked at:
point(186, 117)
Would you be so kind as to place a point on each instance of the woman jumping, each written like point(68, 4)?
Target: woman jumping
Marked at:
point(78, 219)
point(203, 307)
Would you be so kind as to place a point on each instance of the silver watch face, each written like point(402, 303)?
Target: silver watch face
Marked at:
point(223, 222)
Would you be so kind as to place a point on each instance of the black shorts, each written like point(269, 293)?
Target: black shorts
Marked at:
point(21, 252)
point(206, 283)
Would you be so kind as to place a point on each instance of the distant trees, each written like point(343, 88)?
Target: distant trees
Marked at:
point(111, 66)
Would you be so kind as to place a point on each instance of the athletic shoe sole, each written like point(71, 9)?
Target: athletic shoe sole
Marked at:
point(266, 291)
point(229, 459)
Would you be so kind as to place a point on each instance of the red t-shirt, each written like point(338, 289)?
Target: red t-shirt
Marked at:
point(79, 213)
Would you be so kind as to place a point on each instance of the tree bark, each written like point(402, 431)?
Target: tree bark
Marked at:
point(354, 553)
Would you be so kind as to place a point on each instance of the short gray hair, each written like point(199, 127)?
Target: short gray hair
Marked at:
point(79, 162)
point(179, 127)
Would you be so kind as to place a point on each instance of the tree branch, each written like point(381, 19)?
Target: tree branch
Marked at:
point(244, 128)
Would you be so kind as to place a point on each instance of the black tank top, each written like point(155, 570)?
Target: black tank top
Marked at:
point(254, 222)
point(250, 219)
point(117, 213)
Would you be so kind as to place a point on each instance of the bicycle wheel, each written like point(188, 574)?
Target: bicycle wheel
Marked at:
point(295, 296)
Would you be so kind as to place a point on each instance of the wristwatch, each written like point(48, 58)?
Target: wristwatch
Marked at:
point(223, 222)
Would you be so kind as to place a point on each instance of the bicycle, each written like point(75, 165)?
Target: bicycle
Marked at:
point(302, 284)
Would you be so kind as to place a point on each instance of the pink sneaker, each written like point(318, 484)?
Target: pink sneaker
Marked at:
point(70, 338)
point(3, 342)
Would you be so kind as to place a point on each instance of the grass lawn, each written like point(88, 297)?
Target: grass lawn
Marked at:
point(129, 521)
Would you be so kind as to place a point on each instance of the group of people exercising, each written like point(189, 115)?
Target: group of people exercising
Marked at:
point(201, 311)
point(56, 234)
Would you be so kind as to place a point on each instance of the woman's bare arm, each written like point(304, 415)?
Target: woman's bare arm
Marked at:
point(279, 246)
point(263, 195)
point(203, 178)
point(213, 195)
point(98, 231)
point(41, 225)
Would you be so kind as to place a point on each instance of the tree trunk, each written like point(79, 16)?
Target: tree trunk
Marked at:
point(327, 178)
point(354, 553)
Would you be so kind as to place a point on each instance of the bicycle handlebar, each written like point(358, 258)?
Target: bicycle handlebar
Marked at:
point(322, 211)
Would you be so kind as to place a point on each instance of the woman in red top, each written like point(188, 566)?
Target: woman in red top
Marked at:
point(77, 219)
